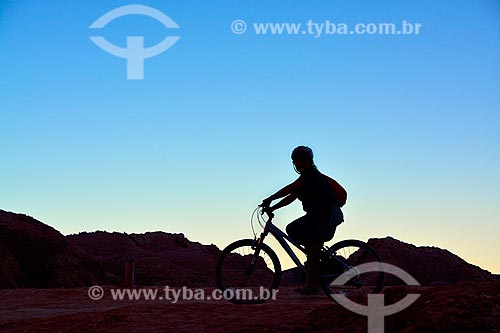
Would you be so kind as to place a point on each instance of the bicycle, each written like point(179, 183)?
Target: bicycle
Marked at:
point(251, 264)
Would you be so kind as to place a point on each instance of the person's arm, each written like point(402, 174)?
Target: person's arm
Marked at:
point(285, 202)
point(287, 190)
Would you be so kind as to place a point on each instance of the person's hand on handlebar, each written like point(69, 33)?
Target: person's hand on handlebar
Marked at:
point(267, 210)
point(266, 207)
point(266, 202)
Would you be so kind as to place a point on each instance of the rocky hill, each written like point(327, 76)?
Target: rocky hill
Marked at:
point(428, 264)
point(160, 258)
point(35, 255)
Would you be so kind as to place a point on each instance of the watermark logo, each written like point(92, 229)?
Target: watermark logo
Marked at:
point(238, 27)
point(174, 295)
point(375, 310)
point(326, 28)
point(95, 293)
point(135, 53)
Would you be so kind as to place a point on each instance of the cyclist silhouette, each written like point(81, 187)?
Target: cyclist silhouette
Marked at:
point(321, 198)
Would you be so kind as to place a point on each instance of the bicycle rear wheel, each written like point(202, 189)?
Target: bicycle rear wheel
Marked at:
point(248, 271)
point(343, 256)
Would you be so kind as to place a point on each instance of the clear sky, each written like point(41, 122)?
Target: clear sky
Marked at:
point(409, 124)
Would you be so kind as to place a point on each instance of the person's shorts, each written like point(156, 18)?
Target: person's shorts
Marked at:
point(315, 228)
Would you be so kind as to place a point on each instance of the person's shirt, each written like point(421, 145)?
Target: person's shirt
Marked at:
point(315, 192)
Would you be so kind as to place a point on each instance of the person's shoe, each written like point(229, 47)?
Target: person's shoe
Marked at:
point(307, 291)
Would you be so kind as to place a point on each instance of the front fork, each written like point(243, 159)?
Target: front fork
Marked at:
point(257, 245)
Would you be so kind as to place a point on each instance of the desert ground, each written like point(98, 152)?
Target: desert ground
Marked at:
point(462, 307)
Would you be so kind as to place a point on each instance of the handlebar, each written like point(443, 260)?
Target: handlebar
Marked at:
point(270, 215)
point(261, 221)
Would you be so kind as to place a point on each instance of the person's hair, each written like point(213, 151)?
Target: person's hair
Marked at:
point(303, 153)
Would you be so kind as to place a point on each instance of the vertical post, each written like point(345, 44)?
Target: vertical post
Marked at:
point(376, 305)
point(135, 58)
point(129, 273)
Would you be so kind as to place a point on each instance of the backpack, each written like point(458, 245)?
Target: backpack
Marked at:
point(338, 192)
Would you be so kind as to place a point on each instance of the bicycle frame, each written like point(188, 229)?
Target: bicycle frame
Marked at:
point(280, 236)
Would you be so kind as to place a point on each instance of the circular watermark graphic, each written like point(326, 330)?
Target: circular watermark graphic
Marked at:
point(238, 27)
point(376, 310)
point(96, 293)
point(135, 52)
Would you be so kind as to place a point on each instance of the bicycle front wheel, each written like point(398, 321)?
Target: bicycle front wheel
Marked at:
point(249, 271)
point(344, 256)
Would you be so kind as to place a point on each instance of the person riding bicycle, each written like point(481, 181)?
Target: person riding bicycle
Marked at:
point(321, 198)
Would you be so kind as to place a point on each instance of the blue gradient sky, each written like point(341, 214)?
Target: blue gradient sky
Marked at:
point(408, 124)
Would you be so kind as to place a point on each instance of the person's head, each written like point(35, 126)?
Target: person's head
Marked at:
point(302, 158)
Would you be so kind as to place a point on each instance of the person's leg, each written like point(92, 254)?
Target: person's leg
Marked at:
point(313, 250)
point(304, 231)
point(297, 230)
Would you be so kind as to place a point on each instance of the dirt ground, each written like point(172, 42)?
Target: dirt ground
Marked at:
point(71, 310)
point(462, 307)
